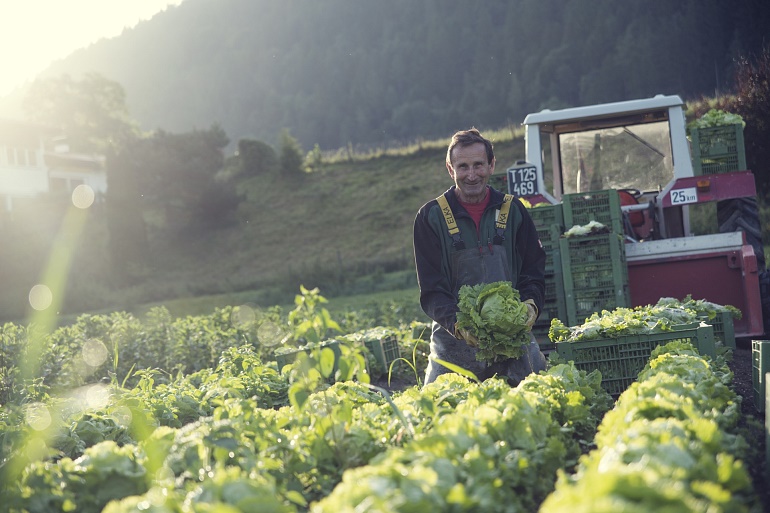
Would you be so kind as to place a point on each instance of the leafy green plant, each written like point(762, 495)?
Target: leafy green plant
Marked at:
point(717, 117)
point(495, 314)
point(309, 321)
point(667, 444)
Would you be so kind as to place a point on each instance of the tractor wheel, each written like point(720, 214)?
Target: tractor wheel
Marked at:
point(742, 214)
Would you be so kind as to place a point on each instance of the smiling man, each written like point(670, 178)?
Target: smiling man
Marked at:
point(474, 234)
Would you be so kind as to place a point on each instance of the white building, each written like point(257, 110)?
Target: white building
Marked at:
point(28, 169)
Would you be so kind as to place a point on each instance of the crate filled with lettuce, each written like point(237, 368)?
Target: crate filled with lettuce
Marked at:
point(716, 140)
point(618, 342)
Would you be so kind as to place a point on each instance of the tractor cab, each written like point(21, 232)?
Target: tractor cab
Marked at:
point(638, 148)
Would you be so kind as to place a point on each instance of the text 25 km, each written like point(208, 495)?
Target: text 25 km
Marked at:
point(684, 196)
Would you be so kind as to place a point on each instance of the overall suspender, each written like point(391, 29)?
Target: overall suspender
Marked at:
point(454, 231)
point(449, 217)
point(502, 219)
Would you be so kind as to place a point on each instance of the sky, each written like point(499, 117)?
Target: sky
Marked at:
point(36, 33)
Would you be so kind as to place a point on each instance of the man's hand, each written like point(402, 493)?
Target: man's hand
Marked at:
point(463, 334)
point(531, 312)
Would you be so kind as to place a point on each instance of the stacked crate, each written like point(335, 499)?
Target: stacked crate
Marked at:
point(717, 149)
point(594, 269)
point(549, 222)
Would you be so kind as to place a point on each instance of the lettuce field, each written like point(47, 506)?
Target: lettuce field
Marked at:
point(118, 414)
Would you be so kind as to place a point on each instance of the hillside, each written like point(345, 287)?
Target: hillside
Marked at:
point(345, 220)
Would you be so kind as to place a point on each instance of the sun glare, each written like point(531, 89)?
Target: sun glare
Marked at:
point(40, 297)
point(38, 416)
point(83, 196)
point(38, 32)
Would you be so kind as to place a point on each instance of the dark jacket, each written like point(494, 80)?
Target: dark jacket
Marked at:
point(433, 246)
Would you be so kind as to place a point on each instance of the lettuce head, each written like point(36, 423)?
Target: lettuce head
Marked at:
point(495, 314)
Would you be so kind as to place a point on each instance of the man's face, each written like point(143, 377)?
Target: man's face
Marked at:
point(470, 171)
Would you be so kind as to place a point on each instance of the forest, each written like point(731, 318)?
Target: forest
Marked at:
point(368, 73)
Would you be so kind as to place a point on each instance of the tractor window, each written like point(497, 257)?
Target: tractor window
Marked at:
point(625, 157)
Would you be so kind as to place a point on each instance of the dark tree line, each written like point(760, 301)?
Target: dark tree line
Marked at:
point(366, 72)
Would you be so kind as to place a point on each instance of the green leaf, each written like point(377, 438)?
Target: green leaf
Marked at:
point(326, 362)
point(298, 395)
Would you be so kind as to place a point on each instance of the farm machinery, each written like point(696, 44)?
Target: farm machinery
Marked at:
point(631, 167)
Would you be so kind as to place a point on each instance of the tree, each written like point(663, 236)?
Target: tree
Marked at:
point(314, 158)
point(180, 177)
point(753, 104)
point(291, 159)
point(256, 158)
point(92, 114)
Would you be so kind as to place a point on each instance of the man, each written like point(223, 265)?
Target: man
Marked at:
point(459, 241)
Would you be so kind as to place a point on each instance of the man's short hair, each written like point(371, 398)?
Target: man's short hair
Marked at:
point(466, 138)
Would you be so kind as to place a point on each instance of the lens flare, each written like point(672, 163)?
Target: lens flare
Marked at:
point(97, 396)
point(242, 315)
point(270, 334)
point(122, 415)
point(38, 417)
point(83, 196)
point(40, 297)
point(94, 352)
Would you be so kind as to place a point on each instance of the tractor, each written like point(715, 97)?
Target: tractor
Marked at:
point(635, 158)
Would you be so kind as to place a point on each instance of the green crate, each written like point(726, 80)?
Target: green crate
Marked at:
point(288, 357)
point(621, 359)
point(582, 304)
point(545, 216)
point(385, 350)
point(602, 206)
point(594, 274)
point(542, 327)
point(724, 328)
point(591, 250)
point(554, 305)
point(554, 288)
point(760, 366)
point(551, 310)
point(554, 281)
point(549, 239)
point(717, 149)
